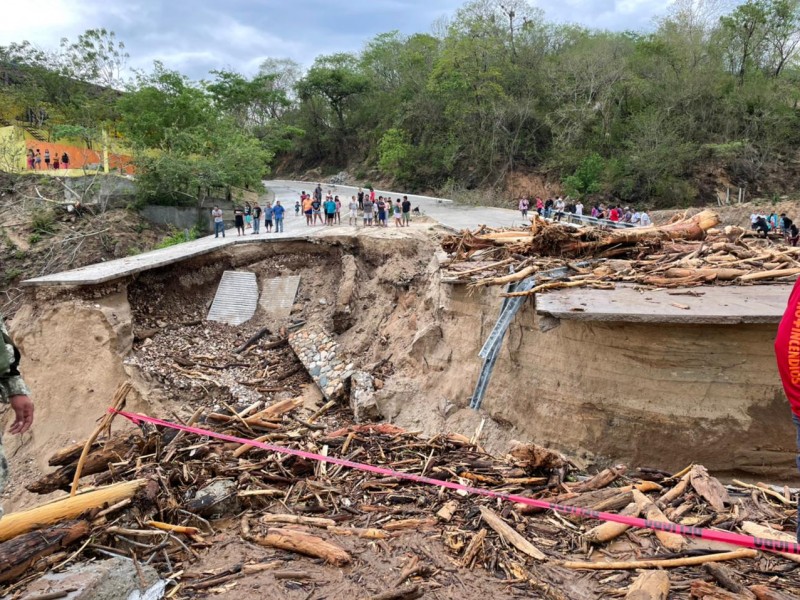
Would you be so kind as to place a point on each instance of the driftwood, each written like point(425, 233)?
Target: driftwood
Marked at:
point(762, 592)
point(303, 543)
point(509, 534)
point(726, 578)
point(606, 532)
point(14, 524)
point(650, 585)
point(97, 461)
point(667, 563)
point(671, 541)
point(709, 488)
point(18, 554)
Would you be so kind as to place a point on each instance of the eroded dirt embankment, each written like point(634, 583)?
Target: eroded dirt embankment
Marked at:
point(650, 395)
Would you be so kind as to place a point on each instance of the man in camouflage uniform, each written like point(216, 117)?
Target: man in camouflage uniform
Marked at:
point(12, 391)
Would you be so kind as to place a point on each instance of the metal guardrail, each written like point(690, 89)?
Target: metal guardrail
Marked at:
point(587, 220)
point(508, 310)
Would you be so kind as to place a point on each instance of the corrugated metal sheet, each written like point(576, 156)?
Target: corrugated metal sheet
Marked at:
point(236, 299)
point(277, 296)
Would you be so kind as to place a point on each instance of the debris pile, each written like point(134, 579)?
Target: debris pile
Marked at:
point(687, 252)
point(165, 498)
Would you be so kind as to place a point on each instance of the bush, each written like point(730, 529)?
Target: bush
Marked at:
point(34, 237)
point(178, 237)
point(44, 222)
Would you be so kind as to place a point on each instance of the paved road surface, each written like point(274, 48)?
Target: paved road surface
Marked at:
point(446, 212)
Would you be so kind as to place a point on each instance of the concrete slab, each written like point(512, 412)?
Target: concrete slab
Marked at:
point(706, 305)
point(277, 296)
point(130, 265)
point(236, 299)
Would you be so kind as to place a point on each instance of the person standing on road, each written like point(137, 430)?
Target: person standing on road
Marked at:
point(268, 214)
point(248, 214)
point(13, 391)
point(579, 208)
point(308, 209)
point(219, 222)
point(330, 211)
point(316, 206)
point(298, 205)
point(406, 206)
point(644, 219)
point(382, 212)
point(524, 205)
point(368, 207)
point(338, 210)
point(352, 218)
point(238, 220)
point(257, 218)
point(360, 199)
point(277, 214)
point(398, 209)
point(318, 193)
point(47, 159)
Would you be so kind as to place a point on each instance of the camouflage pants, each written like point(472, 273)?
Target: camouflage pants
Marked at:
point(3, 473)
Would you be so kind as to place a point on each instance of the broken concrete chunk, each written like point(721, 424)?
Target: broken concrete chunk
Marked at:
point(362, 397)
point(113, 579)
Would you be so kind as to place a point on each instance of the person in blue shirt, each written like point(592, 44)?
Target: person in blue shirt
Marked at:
point(277, 214)
point(330, 210)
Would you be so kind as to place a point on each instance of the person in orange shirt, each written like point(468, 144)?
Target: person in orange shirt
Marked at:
point(308, 210)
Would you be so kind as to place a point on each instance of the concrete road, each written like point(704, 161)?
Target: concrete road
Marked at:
point(446, 212)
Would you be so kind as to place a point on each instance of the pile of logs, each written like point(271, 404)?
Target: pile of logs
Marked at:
point(687, 252)
point(156, 495)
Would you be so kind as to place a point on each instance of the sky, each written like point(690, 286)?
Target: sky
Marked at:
point(195, 37)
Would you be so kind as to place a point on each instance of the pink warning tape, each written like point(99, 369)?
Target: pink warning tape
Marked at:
point(714, 535)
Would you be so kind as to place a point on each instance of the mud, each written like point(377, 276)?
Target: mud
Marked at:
point(653, 395)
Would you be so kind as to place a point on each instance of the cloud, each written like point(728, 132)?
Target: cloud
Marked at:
point(202, 35)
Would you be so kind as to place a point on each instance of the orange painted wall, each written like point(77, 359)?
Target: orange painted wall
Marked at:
point(80, 157)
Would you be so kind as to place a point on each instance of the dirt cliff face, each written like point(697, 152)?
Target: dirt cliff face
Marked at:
point(655, 395)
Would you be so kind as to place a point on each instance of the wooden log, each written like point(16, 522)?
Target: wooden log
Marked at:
point(674, 493)
point(668, 563)
point(671, 541)
point(719, 274)
point(97, 461)
point(767, 533)
point(14, 524)
point(68, 454)
point(303, 543)
point(506, 279)
point(702, 590)
point(509, 534)
point(762, 592)
point(762, 275)
point(606, 532)
point(650, 585)
point(474, 546)
point(299, 520)
point(709, 488)
point(252, 340)
point(726, 578)
point(604, 478)
point(19, 554)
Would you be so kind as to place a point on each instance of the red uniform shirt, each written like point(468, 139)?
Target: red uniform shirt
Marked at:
point(787, 349)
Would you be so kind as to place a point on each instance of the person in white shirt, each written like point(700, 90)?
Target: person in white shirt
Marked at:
point(353, 217)
point(579, 208)
point(753, 221)
point(644, 219)
point(637, 217)
point(559, 206)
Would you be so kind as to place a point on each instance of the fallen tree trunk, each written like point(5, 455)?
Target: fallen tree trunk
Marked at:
point(115, 450)
point(303, 543)
point(14, 524)
point(19, 554)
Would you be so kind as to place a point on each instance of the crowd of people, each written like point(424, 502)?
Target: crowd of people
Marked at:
point(362, 207)
point(250, 216)
point(772, 223)
point(557, 208)
point(36, 159)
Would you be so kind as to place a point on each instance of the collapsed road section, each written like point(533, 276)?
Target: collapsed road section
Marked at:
point(383, 326)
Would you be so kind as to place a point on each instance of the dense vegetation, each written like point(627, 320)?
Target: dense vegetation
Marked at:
point(494, 90)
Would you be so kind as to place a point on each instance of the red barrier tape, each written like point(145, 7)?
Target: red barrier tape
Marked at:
point(714, 535)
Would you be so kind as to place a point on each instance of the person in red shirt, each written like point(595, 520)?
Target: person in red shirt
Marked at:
point(787, 353)
point(613, 215)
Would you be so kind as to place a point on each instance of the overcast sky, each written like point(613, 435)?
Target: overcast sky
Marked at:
point(198, 35)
